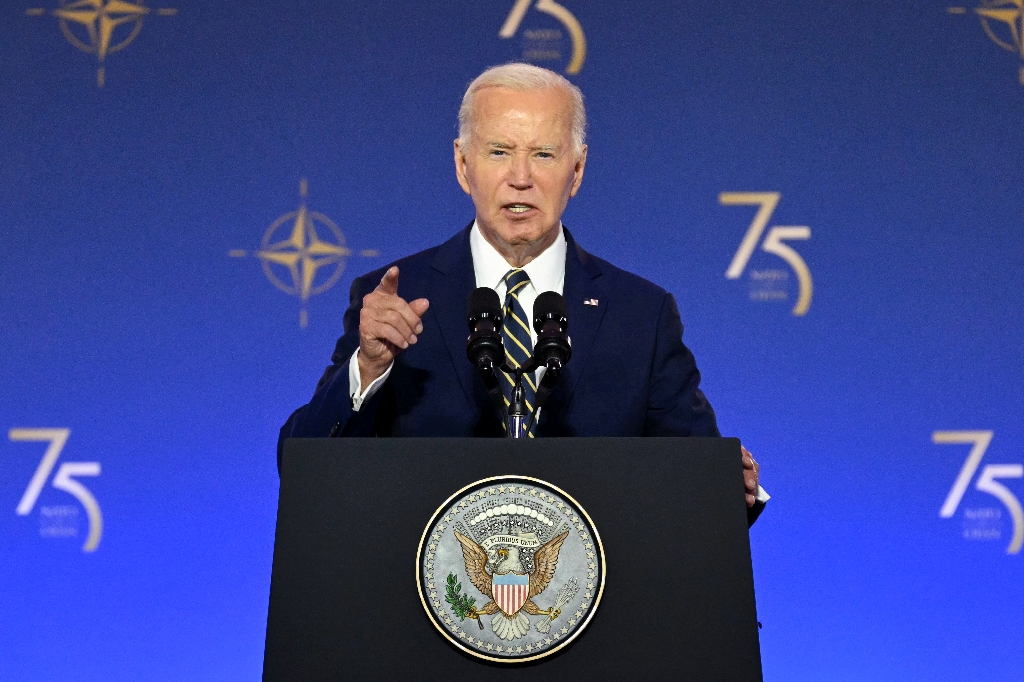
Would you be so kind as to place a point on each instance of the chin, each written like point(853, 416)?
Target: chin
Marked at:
point(515, 233)
point(519, 234)
point(522, 240)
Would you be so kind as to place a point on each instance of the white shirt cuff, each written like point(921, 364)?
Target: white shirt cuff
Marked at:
point(355, 382)
point(762, 496)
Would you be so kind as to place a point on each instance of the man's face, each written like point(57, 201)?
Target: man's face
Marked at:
point(519, 166)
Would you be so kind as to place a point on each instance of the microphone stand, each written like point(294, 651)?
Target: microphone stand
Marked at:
point(517, 407)
point(516, 413)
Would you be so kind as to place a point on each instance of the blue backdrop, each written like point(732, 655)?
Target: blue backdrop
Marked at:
point(154, 162)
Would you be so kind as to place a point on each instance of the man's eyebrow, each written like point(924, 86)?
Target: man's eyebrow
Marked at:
point(506, 145)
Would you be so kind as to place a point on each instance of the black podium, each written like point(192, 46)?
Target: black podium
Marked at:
point(678, 601)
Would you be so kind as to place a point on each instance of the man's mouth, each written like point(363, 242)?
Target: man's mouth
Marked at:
point(518, 208)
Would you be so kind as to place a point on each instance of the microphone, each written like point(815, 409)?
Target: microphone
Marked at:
point(484, 346)
point(551, 322)
point(553, 349)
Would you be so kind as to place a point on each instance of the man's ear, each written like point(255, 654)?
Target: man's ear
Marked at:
point(460, 167)
point(577, 179)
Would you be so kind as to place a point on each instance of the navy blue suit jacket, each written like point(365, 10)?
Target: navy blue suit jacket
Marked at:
point(629, 375)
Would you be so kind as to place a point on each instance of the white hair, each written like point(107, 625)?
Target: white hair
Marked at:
point(523, 77)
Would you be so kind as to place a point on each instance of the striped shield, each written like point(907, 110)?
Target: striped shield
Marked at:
point(510, 592)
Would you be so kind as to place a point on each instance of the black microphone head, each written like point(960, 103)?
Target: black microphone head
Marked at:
point(483, 304)
point(550, 306)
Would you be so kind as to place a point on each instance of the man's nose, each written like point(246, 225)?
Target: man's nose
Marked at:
point(520, 174)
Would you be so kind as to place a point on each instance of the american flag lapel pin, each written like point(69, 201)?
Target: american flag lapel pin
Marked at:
point(590, 301)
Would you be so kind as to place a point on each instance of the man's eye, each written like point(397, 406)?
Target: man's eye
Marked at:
point(545, 155)
point(498, 152)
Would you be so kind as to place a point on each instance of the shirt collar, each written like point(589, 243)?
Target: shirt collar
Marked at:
point(546, 271)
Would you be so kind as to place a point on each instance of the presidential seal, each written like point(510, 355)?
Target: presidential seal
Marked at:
point(510, 569)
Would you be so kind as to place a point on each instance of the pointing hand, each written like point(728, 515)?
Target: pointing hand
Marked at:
point(387, 325)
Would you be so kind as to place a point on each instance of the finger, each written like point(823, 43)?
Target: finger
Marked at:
point(416, 309)
point(387, 306)
point(376, 323)
point(411, 316)
point(398, 321)
point(379, 301)
point(379, 331)
point(389, 282)
point(750, 483)
point(750, 500)
point(419, 306)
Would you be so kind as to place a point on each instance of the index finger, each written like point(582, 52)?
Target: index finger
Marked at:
point(389, 282)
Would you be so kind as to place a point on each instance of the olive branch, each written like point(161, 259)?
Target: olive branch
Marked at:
point(461, 603)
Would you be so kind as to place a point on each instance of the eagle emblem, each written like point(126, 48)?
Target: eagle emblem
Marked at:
point(531, 562)
point(509, 586)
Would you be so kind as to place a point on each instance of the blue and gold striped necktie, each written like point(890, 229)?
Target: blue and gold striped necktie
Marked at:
point(518, 345)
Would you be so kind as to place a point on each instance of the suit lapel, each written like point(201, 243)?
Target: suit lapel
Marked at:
point(583, 282)
point(454, 278)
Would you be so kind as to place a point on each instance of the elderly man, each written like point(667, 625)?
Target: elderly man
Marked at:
point(401, 367)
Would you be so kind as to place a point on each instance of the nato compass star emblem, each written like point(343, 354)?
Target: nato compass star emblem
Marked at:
point(303, 253)
point(1003, 21)
point(510, 569)
point(100, 27)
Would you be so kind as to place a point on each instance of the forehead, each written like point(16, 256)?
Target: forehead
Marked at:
point(502, 111)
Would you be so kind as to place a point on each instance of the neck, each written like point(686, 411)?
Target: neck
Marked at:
point(519, 255)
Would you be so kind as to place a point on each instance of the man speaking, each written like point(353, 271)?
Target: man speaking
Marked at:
point(401, 367)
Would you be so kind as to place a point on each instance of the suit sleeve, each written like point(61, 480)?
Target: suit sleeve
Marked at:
point(329, 412)
point(676, 406)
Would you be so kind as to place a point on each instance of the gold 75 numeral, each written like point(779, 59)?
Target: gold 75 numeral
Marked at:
point(986, 483)
point(774, 243)
point(63, 480)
